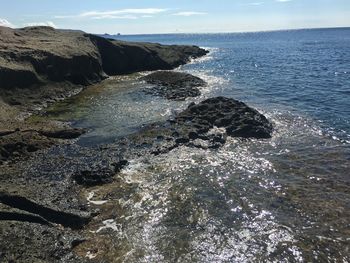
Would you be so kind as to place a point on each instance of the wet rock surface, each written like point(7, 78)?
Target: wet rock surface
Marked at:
point(174, 85)
point(98, 177)
point(28, 242)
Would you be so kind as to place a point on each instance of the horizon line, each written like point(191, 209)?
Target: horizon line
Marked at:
point(196, 33)
point(225, 32)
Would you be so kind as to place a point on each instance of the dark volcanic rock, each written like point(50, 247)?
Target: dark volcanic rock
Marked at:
point(174, 85)
point(98, 177)
point(37, 55)
point(236, 117)
point(64, 133)
point(92, 178)
point(203, 125)
point(20, 144)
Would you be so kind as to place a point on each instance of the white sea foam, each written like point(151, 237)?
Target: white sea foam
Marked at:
point(91, 195)
point(208, 57)
point(109, 224)
point(90, 255)
point(214, 82)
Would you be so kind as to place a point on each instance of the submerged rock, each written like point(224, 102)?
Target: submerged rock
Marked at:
point(174, 85)
point(64, 133)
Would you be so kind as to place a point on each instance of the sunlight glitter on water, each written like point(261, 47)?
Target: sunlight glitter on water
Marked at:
point(254, 233)
point(279, 200)
point(175, 166)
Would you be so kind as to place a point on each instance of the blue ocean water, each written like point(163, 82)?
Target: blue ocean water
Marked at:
point(306, 71)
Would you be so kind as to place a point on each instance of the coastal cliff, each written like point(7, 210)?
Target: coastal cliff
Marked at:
point(35, 56)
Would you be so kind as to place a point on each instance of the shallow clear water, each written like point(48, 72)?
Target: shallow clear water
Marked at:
point(281, 200)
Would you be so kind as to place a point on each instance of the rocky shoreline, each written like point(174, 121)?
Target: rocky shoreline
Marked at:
point(41, 65)
point(43, 213)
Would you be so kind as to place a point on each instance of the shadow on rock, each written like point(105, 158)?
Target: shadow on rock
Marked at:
point(41, 213)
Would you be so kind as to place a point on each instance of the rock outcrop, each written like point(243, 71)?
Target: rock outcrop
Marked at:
point(174, 85)
point(234, 116)
point(39, 55)
point(203, 125)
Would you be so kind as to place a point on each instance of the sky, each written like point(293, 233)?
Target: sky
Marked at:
point(175, 16)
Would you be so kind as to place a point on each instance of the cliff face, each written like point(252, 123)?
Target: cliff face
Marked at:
point(40, 55)
point(119, 57)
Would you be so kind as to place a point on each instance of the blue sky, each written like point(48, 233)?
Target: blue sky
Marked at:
point(175, 16)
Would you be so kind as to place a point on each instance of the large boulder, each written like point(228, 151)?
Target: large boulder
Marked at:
point(238, 119)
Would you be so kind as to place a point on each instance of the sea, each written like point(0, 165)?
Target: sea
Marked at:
point(285, 199)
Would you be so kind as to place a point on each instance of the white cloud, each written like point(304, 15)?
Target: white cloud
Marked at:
point(140, 11)
point(282, 1)
point(114, 17)
point(117, 14)
point(4, 22)
point(47, 23)
point(189, 13)
point(255, 3)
